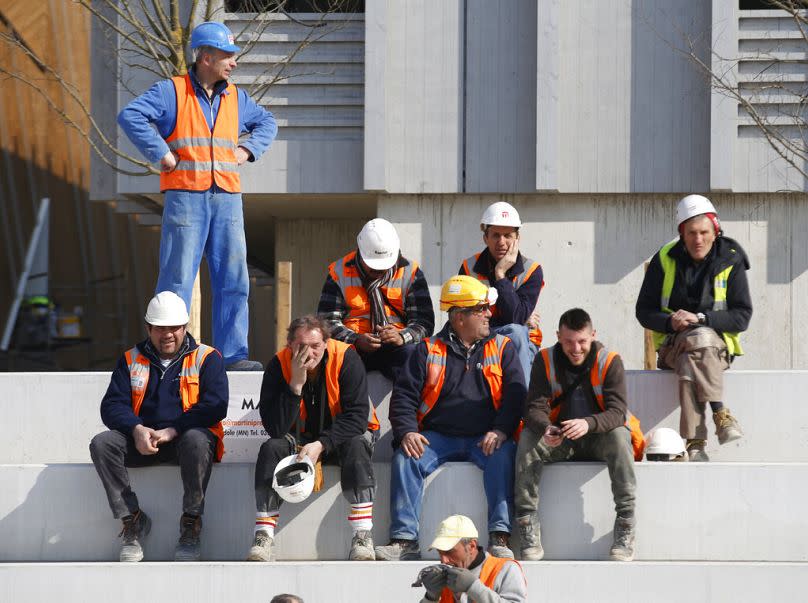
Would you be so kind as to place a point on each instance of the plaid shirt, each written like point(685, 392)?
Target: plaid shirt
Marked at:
point(417, 309)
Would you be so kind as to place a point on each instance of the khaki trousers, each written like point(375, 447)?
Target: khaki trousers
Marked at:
point(699, 357)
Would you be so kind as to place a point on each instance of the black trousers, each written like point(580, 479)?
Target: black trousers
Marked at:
point(194, 450)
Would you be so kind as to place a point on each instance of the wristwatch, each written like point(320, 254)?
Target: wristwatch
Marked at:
point(702, 318)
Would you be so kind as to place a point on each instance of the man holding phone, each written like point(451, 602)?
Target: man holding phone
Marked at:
point(314, 401)
point(576, 410)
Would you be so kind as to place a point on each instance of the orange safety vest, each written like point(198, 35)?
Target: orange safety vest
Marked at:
point(205, 157)
point(436, 373)
point(336, 355)
point(518, 281)
point(140, 369)
point(597, 375)
point(488, 575)
point(350, 283)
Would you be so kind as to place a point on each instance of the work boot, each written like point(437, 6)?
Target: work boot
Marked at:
point(262, 548)
point(726, 426)
point(244, 365)
point(623, 545)
point(135, 528)
point(530, 538)
point(362, 546)
point(188, 544)
point(399, 549)
point(695, 451)
point(499, 545)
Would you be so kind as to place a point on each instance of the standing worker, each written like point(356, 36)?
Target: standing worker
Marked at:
point(695, 297)
point(199, 118)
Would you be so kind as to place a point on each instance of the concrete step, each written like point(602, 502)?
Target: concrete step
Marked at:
point(361, 582)
point(711, 512)
point(51, 417)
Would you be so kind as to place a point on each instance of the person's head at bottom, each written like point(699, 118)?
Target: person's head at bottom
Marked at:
point(456, 541)
point(284, 598)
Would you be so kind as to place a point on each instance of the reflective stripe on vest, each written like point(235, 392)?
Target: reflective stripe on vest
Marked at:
point(720, 281)
point(336, 356)
point(436, 353)
point(140, 369)
point(535, 335)
point(488, 575)
point(356, 296)
point(205, 157)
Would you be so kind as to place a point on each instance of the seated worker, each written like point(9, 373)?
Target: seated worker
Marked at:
point(377, 300)
point(314, 397)
point(466, 572)
point(164, 404)
point(517, 279)
point(576, 410)
point(458, 399)
point(695, 297)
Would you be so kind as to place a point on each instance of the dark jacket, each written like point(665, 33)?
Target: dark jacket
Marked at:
point(514, 306)
point(725, 252)
point(537, 406)
point(162, 406)
point(280, 407)
point(464, 407)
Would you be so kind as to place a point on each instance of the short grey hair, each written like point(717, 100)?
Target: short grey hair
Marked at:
point(200, 50)
point(286, 599)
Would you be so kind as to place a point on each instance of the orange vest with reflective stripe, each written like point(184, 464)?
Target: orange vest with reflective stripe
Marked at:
point(597, 376)
point(436, 373)
point(518, 281)
point(336, 355)
point(140, 369)
point(356, 296)
point(205, 157)
point(488, 575)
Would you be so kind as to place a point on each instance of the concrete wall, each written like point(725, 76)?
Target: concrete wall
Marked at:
point(593, 247)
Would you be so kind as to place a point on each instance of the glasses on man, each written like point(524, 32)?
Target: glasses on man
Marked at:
point(478, 309)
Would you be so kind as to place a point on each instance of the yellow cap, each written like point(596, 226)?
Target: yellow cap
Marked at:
point(465, 292)
point(451, 530)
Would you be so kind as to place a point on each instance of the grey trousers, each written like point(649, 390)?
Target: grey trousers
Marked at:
point(194, 450)
point(613, 447)
point(699, 358)
point(354, 458)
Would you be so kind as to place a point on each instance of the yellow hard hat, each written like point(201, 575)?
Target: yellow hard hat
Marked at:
point(465, 292)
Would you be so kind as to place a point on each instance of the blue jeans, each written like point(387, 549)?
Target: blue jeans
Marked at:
point(409, 474)
point(526, 350)
point(211, 222)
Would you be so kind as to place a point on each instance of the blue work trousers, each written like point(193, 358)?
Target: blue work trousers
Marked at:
point(409, 474)
point(525, 349)
point(212, 222)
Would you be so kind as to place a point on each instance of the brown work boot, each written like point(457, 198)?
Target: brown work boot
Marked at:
point(696, 451)
point(499, 545)
point(726, 426)
point(135, 528)
point(188, 548)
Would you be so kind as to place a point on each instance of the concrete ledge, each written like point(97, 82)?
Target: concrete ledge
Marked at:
point(51, 417)
point(364, 582)
point(712, 512)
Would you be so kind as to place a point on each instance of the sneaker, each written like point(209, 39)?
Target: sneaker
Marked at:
point(188, 544)
point(399, 549)
point(696, 451)
point(135, 528)
point(726, 426)
point(262, 547)
point(530, 538)
point(244, 365)
point(362, 546)
point(499, 545)
point(623, 545)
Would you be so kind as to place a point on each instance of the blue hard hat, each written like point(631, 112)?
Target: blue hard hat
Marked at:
point(215, 35)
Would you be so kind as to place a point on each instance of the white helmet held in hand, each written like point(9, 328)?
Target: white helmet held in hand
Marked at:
point(378, 244)
point(664, 444)
point(692, 206)
point(294, 478)
point(500, 214)
point(166, 309)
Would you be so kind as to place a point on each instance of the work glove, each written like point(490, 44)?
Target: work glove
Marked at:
point(433, 579)
point(459, 580)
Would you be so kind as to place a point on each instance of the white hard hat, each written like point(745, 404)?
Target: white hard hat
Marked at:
point(692, 206)
point(500, 214)
point(166, 309)
point(294, 478)
point(378, 244)
point(664, 444)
